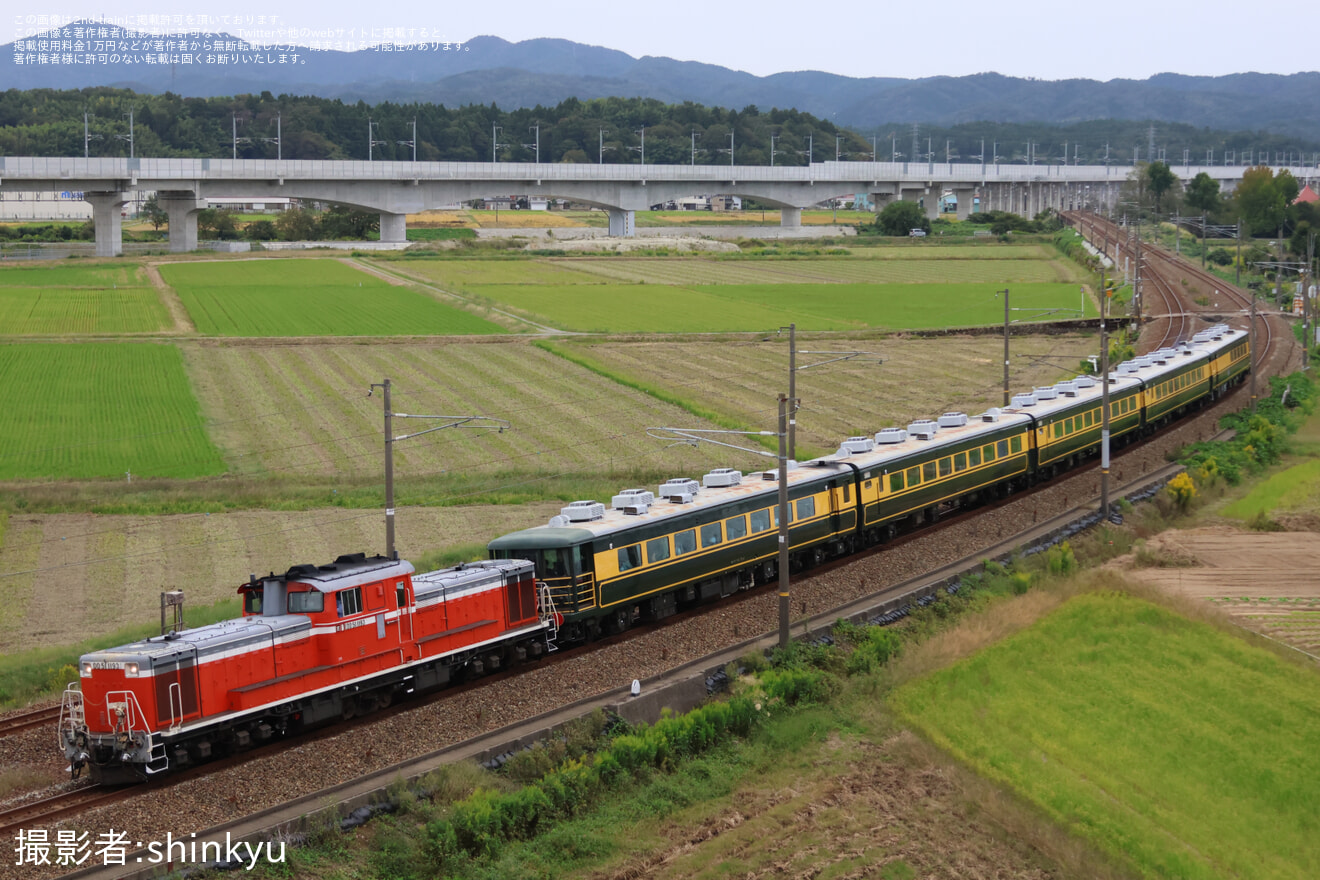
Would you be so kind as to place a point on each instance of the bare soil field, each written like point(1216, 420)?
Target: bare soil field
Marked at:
point(1266, 581)
point(83, 591)
point(848, 809)
point(918, 378)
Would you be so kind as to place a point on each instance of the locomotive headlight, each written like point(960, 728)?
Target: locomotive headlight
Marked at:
point(87, 670)
point(131, 669)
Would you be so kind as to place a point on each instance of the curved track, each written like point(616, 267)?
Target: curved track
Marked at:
point(1164, 276)
point(1184, 293)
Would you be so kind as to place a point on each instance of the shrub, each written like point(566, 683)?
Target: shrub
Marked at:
point(1220, 257)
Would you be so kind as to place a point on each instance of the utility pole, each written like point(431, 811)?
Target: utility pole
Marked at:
point(792, 390)
point(87, 137)
point(412, 143)
point(495, 141)
point(772, 150)
point(537, 146)
point(1251, 357)
point(279, 144)
point(783, 522)
point(1104, 397)
point(1203, 231)
point(390, 552)
point(838, 138)
point(1006, 310)
point(694, 147)
point(451, 422)
point(129, 136)
point(602, 146)
point(372, 143)
point(233, 118)
point(1237, 266)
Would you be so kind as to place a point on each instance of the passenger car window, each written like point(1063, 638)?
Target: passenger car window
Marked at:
point(896, 482)
point(1002, 448)
point(974, 457)
point(928, 471)
point(735, 527)
point(913, 476)
point(946, 467)
point(630, 557)
point(685, 542)
point(760, 520)
point(710, 535)
point(960, 462)
point(657, 550)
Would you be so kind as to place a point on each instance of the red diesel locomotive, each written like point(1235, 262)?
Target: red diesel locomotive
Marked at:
point(315, 644)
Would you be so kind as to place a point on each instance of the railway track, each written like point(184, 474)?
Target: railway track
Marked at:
point(41, 813)
point(1168, 275)
point(22, 721)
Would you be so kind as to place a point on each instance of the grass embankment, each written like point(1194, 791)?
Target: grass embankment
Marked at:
point(1295, 489)
point(1173, 745)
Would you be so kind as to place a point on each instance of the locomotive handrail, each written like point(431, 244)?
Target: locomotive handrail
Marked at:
point(73, 713)
point(176, 719)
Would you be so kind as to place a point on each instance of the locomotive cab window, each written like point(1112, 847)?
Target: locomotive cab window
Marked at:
point(736, 527)
point(630, 557)
point(710, 535)
point(760, 521)
point(252, 602)
point(309, 602)
point(400, 595)
point(685, 542)
point(657, 550)
point(348, 602)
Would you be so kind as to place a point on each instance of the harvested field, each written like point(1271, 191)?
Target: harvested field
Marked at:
point(303, 410)
point(1266, 581)
point(207, 555)
point(919, 377)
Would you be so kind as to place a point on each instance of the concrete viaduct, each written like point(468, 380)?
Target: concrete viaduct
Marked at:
point(396, 189)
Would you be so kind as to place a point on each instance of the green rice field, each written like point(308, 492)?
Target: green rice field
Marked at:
point(1180, 749)
point(82, 299)
point(637, 308)
point(99, 410)
point(283, 297)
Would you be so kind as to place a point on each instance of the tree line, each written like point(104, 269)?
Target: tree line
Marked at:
point(50, 122)
point(1265, 202)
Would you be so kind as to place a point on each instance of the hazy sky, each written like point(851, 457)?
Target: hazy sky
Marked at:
point(1055, 40)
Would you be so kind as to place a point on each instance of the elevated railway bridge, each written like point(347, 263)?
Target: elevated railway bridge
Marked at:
point(396, 189)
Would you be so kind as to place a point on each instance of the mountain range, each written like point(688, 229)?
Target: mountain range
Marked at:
point(489, 70)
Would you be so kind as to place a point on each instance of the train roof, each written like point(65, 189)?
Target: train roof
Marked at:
point(584, 520)
point(349, 570)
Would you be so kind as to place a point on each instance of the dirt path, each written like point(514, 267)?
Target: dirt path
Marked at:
point(182, 323)
point(1268, 582)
